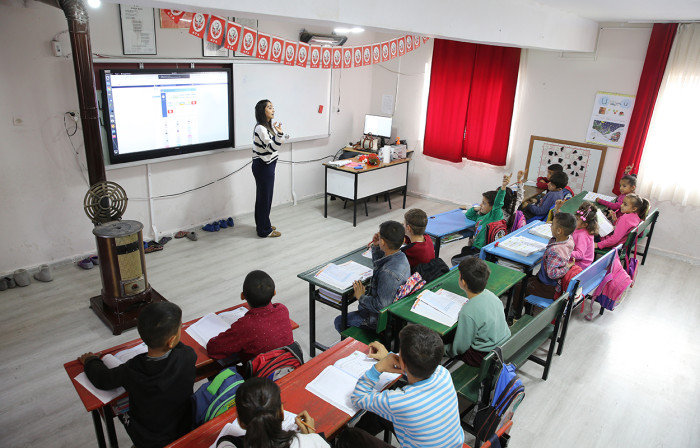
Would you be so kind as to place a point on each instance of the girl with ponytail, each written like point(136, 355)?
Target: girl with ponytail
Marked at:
point(633, 211)
point(260, 413)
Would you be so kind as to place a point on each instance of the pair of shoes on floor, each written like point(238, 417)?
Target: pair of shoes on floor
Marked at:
point(274, 234)
point(22, 278)
point(45, 274)
point(213, 227)
point(224, 223)
point(7, 282)
point(87, 263)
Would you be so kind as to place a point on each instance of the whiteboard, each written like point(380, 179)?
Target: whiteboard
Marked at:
point(297, 94)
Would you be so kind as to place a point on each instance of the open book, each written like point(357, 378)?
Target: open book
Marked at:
point(605, 227)
point(591, 196)
point(521, 245)
point(342, 275)
point(336, 383)
point(441, 306)
point(213, 324)
point(234, 428)
point(543, 230)
point(111, 361)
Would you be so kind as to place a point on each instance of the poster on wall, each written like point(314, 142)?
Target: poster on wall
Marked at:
point(138, 29)
point(610, 119)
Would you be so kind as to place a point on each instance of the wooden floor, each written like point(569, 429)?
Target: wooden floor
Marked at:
point(628, 379)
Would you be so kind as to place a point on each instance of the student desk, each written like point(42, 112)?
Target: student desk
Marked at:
point(493, 252)
point(502, 279)
point(530, 191)
point(446, 223)
point(295, 398)
point(346, 294)
point(206, 367)
point(352, 184)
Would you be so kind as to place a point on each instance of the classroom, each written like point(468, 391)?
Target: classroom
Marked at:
point(625, 378)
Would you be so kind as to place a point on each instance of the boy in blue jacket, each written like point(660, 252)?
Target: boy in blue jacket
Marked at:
point(555, 191)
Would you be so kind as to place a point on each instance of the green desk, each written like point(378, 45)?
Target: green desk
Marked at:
point(575, 202)
point(347, 294)
point(502, 279)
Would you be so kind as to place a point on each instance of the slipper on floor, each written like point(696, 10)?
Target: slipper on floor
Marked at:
point(213, 227)
point(152, 248)
point(192, 236)
point(181, 234)
point(86, 263)
point(95, 260)
point(274, 234)
point(223, 224)
point(163, 241)
point(229, 221)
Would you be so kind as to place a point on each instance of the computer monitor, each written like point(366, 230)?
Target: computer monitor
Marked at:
point(378, 126)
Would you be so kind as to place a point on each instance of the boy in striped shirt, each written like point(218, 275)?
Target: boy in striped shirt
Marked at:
point(424, 413)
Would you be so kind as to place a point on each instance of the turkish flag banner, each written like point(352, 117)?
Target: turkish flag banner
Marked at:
point(263, 46)
point(290, 52)
point(337, 58)
point(402, 46)
point(409, 43)
point(416, 42)
point(315, 56)
point(376, 56)
point(385, 51)
point(367, 55)
point(248, 41)
point(347, 57)
point(326, 57)
point(233, 36)
point(174, 14)
point(199, 25)
point(425, 39)
point(217, 26)
point(302, 54)
point(357, 56)
point(276, 50)
point(393, 49)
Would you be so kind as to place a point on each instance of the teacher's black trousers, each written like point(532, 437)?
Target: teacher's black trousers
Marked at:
point(264, 174)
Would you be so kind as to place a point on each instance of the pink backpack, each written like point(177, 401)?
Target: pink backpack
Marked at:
point(611, 290)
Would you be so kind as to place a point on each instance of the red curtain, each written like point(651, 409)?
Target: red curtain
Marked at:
point(652, 73)
point(491, 103)
point(450, 80)
point(472, 89)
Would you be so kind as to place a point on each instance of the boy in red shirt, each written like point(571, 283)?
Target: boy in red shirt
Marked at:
point(418, 246)
point(264, 327)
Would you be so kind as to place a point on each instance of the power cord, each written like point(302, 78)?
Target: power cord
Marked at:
point(83, 169)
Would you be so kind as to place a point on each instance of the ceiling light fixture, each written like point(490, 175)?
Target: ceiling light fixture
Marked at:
point(330, 40)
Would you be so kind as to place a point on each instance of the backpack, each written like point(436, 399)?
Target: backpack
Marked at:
point(431, 270)
point(611, 290)
point(631, 264)
point(274, 364)
point(217, 396)
point(509, 391)
point(413, 284)
point(496, 230)
point(518, 220)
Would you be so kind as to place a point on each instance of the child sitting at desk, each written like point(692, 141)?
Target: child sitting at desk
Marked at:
point(423, 414)
point(260, 414)
point(555, 263)
point(583, 237)
point(628, 184)
point(555, 188)
point(633, 211)
point(551, 169)
point(481, 325)
point(391, 270)
point(159, 382)
point(263, 328)
point(418, 246)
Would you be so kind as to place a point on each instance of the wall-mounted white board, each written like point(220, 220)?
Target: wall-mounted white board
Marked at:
point(297, 93)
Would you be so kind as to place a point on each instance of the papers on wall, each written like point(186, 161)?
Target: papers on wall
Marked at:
point(522, 245)
point(213, 324)
point(441, 306)
point(336, 383)
point(234, 428)
point(591, 196)
point(543, 230)
point(342, 275)
point(605, 227)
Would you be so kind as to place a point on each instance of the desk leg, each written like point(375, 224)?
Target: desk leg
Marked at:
point(344, 312)
point(312, 320)
point(99, 432)
point(109, 423)
point(509, 301)
point(523, 287)
point(405, 187)
point(438, 242)
point(354, 205)
point(325, 196)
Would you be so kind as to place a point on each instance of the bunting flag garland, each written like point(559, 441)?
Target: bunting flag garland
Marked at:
point(251, 42)
point(248, 41)
point(217, 25)
point(199, 25)
point(233, 36)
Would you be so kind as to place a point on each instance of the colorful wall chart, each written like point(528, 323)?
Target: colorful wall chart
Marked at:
point(610, 119)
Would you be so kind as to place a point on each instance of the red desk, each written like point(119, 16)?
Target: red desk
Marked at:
point(295, 398)
point(204, 364)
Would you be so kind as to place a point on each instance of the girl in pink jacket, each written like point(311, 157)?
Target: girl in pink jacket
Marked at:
point(633, 211)
point(628, 184)
point(586, 227)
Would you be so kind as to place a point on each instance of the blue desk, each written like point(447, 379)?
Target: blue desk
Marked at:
point(447, 223)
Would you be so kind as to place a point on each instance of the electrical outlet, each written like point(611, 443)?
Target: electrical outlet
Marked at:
point(57, 48)
point(74, 114)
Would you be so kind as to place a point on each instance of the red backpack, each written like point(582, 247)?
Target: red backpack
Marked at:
point(274, 364)
point(496, 230)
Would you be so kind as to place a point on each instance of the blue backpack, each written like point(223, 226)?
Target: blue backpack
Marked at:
point(217, 396)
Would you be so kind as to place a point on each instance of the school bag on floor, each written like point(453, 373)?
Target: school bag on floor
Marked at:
point(274, 364)
point(611, 290)
point(508, 393)
point(217, 396)
point(631, 264)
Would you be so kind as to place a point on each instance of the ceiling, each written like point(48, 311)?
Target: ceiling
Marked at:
point(629, 10)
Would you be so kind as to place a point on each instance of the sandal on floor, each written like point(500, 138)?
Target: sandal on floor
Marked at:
point(181, 234)
point(192, 236)
point(153, 248)
point(274, 234)
point(164, 240)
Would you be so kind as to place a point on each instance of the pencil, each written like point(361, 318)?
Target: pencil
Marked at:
point(307, 425)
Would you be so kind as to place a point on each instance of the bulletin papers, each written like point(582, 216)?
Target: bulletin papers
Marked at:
point(441, 306)
point(343, 275)
point(522, 245)
point(235, 430)
point(543, 231)
point(591, 196)
point(336, 383)
point(111, 361)
point(214, 324)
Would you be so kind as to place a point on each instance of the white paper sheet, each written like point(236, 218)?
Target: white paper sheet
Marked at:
point(232, 316)
point(605, 227)
point(342, 276)
point(129, 353)
point(105, 396)
point(591, 196)
point(425, 310)
point(542, 230)
point(522, 245)
point(206, 328)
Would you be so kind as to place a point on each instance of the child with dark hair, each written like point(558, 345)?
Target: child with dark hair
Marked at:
point(583, 237)
point(556, 262)
point(628, 184)
point(633, 211)
point(551, 169)
point(555, 187)
point(513, 199)
point(418, 246)
point(263, 328)
point(481, 325)
point(260, 414)
point(390, 270)
point(424, 413)
point(159, 382)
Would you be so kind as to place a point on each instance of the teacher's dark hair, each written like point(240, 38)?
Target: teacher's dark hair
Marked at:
point(259, 407)
point(260, 115)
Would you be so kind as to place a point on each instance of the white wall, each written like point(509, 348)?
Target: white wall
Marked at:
point(42, 186)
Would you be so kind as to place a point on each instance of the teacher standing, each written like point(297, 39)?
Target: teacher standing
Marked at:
point(267, 140)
